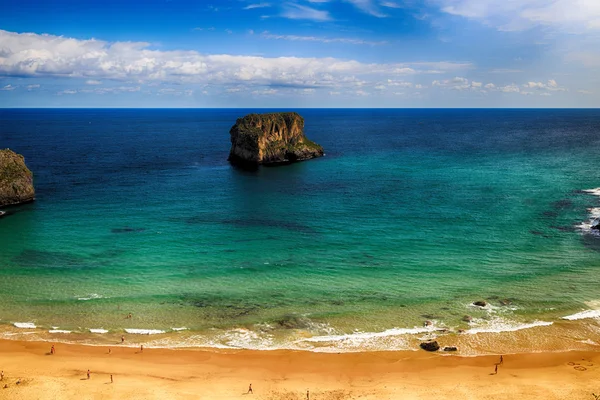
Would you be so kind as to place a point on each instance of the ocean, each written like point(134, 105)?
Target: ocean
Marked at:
point(412, 215)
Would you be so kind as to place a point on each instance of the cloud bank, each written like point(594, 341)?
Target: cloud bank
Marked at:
point(35, 55)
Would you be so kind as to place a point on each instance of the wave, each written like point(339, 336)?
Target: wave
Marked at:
point(183, 328)
point(591, 225)
point(499, 325)
point(371, 335)
point(595, 192)
point(25, 325)
point(91, 297)
point(99, 330)
point(58, 331)
point(144, 331)
point(583, 315)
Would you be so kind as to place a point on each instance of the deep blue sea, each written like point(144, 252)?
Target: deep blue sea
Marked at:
point(410, 217)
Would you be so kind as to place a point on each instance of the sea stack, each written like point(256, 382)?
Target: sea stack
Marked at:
point(16, 180)
point(274, 138)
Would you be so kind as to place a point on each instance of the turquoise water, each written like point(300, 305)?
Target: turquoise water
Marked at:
point(411, 216)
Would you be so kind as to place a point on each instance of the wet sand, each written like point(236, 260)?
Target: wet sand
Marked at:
point(225, 374)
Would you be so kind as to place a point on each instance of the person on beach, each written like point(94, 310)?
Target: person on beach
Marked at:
point(52, 350)
point(496, 369)
point(111, 379)
point(501, 360)
point(88, 374)
point(307, 395)
point(122, 338)
point(2, 376)
point(141, 348)
point(109, 351)
point(250, 389)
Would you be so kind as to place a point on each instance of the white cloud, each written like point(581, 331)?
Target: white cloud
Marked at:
point(551, 85)
point(368, 7)
point(68, 91)
point(392, 82)
point(33, 55)
point(512, 88)
point(456, 83)
point(8, 88)
point(390, 4)
point(93, 82)
point(264, 92)
point(257, 5)
point(575, 16)
point(297, 11)
point(32, 87)
point(585, 91)
point(111, 90)
point(267, 35)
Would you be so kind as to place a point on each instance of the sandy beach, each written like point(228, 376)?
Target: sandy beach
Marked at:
point(215, 374)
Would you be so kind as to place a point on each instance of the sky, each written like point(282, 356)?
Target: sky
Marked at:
point(300, 53)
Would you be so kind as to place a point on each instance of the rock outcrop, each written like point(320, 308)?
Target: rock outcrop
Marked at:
point(16, 180)
point(430, 346)
point(275, 138)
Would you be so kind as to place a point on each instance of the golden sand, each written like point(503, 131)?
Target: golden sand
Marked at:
point(214, 374)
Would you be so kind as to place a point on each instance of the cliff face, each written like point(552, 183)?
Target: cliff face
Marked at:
point(16, 180)
point(271, 139)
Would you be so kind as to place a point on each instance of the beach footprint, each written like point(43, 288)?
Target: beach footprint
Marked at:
point(581, 366)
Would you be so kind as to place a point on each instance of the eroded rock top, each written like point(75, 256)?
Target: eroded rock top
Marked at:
point(273, 138)
point(16, 180)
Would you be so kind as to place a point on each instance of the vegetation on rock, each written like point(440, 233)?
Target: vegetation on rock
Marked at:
point(16, 180)
point(271, 139)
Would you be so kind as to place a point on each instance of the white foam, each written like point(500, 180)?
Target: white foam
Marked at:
point(183, 328)
point(91, 297)
point(583, 315)
point(144, 331)
point(99, 330)
point(595, 192)
point(25, 325)
point(360, 336)
point(498, 325)
point(58, 331)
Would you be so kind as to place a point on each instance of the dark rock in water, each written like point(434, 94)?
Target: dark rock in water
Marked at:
point(562, 204)
point(563, 228)
point(480, 303)
point(450, 348)
point(428, 323)
point(467, 318)
point(550, 214)
point(292, 322)
point(595, 224)
point(126, 230)
point(2, 213)
point(461, 331)
point(430, 346)
point(275, 138)
point(16, 180)
point(506, 302)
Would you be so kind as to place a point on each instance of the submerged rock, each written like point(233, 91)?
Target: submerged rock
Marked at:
point(450, 348)
point(16, 180)
point(430, 346)
point(480, 303)
point(275, 138)
point(467, 318)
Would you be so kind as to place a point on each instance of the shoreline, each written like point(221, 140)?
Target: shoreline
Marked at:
point(559, 336)
point(285, 374)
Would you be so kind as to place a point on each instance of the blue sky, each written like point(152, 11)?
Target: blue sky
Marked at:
point(300, 53)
